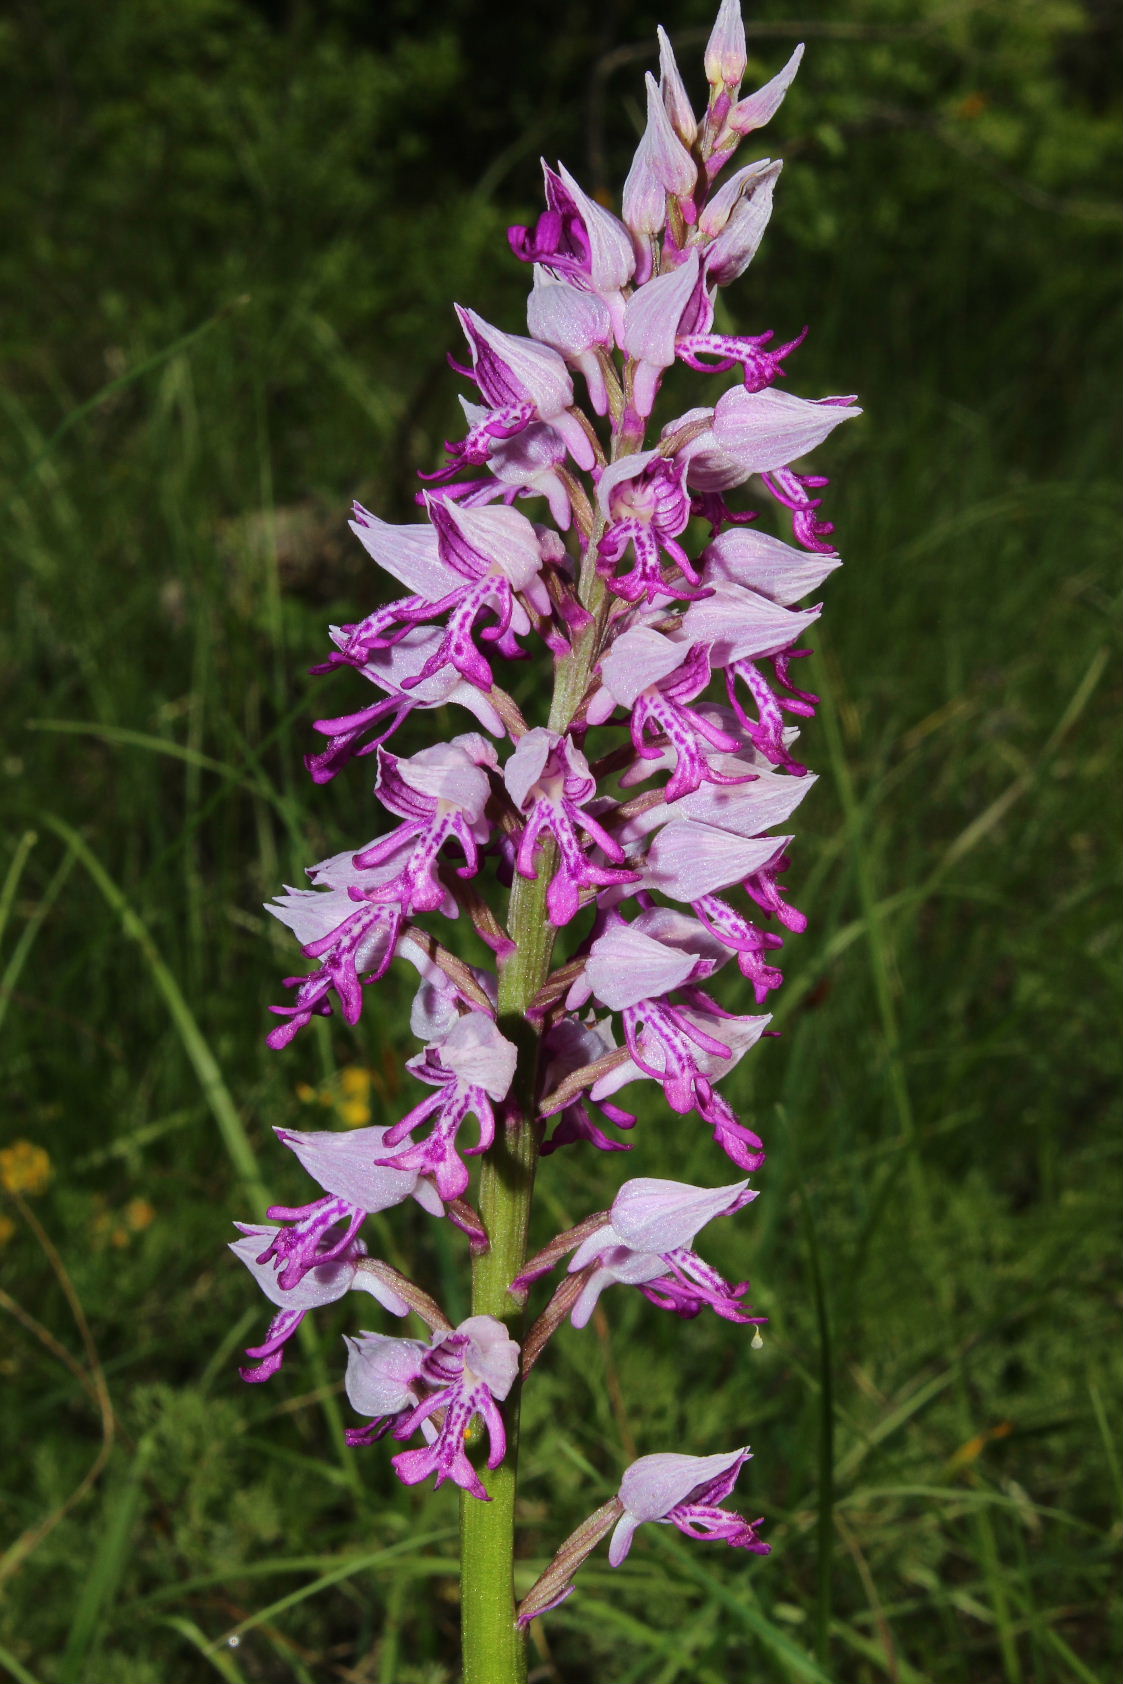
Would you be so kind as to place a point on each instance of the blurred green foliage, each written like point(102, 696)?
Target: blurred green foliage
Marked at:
point(233, 233)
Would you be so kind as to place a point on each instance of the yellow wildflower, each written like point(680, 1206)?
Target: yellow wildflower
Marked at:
point(348, 1095)
point(139, 1214)
point(354, 1112)
point(24, 1167)
point(354, 1102)
point(354, 1082)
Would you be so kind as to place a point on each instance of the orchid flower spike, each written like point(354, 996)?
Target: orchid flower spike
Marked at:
point(645, 578)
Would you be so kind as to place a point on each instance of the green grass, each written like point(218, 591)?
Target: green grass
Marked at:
point(932, 1411)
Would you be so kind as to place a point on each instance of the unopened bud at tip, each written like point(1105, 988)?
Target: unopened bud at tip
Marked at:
point(726, 56)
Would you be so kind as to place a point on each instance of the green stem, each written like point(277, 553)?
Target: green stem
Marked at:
point(493, 1649)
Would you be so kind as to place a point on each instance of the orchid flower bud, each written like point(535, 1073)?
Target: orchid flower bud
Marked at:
point(726, 56)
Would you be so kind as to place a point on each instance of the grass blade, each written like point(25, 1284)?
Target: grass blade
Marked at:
point(396, 1554)
point(12, 876)
point(222, 1661)
point(192, 757)
point(26, 941)
point(346, 1570)
point(798, 1663)
point(215, 1091)
point(17, 1669)
point(100, 1587)
point(824, 1554)
point(69, 422)
point(1110, 1450)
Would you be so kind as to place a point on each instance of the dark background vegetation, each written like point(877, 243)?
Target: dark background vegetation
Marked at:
point(232, 237)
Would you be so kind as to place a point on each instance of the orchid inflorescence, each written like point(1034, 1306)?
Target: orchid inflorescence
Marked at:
point(642, 813)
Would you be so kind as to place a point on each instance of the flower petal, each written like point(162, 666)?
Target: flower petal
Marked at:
point(612, 258)
point(492, 1354)
point(654, 1484)
point(382, 1373)
point(322, 1285)
point(660, 1216)
point(656, 314)
point(478, 1055)
point(626, 966)
point(726, 53)
point(742, 556)
point(746, 809)
point(688, 860)
point(344, 1166)
point(667, 157)
point(739, 624)
point(524, 768)
point(739, 241)
point(407, 553)
point(760, 107)
point(770, 429)
point(638, 659)
point(569, 320)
